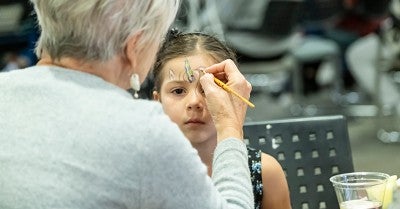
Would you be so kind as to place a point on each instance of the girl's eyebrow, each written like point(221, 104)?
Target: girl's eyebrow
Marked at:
point(176, 82)
point(200, 68)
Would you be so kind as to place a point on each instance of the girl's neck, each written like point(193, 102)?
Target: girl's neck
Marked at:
point(206, 153)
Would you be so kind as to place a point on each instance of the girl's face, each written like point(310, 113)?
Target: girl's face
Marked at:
point(182, 97)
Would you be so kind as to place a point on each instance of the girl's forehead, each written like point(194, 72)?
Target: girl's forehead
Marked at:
point(187, 74)
point(195, 61)
point(186, 68)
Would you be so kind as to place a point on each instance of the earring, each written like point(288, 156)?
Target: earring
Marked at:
point(135, 84)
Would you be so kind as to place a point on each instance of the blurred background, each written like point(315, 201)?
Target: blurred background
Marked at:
point(304, 58)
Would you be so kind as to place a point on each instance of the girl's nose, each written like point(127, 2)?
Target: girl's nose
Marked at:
point(195, 101)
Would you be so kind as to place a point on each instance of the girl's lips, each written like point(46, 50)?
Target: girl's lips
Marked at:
point(194, 121)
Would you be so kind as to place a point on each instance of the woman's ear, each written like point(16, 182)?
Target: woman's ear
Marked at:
point(132, 50)
point(156, 96)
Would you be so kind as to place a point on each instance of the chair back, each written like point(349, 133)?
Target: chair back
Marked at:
point(273, 38)
point(318, 16)
point(281, 18)
point(310, 150)
point(373, 8)
point(10, 15)
point(13, 13)
point(321, 10)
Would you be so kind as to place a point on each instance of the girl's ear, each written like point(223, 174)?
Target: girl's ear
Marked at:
point(156, 96)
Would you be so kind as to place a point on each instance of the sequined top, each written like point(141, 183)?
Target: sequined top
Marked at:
point(255, 175)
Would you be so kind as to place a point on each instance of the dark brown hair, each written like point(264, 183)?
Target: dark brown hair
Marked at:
point(186, 44)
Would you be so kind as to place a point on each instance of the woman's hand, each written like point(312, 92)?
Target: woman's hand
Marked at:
point(228, 111)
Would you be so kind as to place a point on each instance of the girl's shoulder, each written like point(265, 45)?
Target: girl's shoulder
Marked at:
point(257, 155)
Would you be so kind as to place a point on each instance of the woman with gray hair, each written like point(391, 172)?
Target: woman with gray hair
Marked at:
point(72, 137)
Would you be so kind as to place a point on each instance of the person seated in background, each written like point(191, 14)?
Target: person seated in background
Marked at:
point(176, 85)
point(358, 19)
point(379, 50)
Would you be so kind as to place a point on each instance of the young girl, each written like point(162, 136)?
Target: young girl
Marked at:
point(177, 87)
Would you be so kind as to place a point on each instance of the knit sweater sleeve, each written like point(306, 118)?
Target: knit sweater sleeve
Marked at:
point(179, 179)
point(231, 174)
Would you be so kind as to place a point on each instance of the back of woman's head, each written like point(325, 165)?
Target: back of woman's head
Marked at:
point(98, 29)
point(187, 44)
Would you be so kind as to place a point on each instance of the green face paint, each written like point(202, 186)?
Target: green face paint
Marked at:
point(189, 71)
point(188, 74)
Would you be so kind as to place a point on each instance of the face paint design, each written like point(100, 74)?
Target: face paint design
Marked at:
point(171, 75)
point(189, 74)
point(189, 71)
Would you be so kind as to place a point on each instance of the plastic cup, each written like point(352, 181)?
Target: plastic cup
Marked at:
point(360, 190)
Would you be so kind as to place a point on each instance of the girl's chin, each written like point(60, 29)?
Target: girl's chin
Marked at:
point(198, 139)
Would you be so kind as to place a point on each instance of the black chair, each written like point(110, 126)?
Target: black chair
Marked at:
point(310, 150)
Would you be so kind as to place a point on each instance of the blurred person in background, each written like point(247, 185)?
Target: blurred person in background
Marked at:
point(379, 51)
point(18, 34)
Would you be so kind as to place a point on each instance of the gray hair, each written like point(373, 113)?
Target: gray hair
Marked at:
point(98, 29)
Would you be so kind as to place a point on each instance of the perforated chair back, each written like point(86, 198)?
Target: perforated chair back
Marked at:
point(310, 150)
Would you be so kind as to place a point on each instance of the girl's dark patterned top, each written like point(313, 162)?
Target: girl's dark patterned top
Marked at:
point(255, 174)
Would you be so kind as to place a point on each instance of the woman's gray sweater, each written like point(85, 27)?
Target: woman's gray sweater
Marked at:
point(70, 140)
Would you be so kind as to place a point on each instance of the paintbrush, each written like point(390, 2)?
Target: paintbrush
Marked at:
point(228, 89)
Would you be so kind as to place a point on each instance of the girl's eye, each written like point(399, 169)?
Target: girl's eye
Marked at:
point(178, 91)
